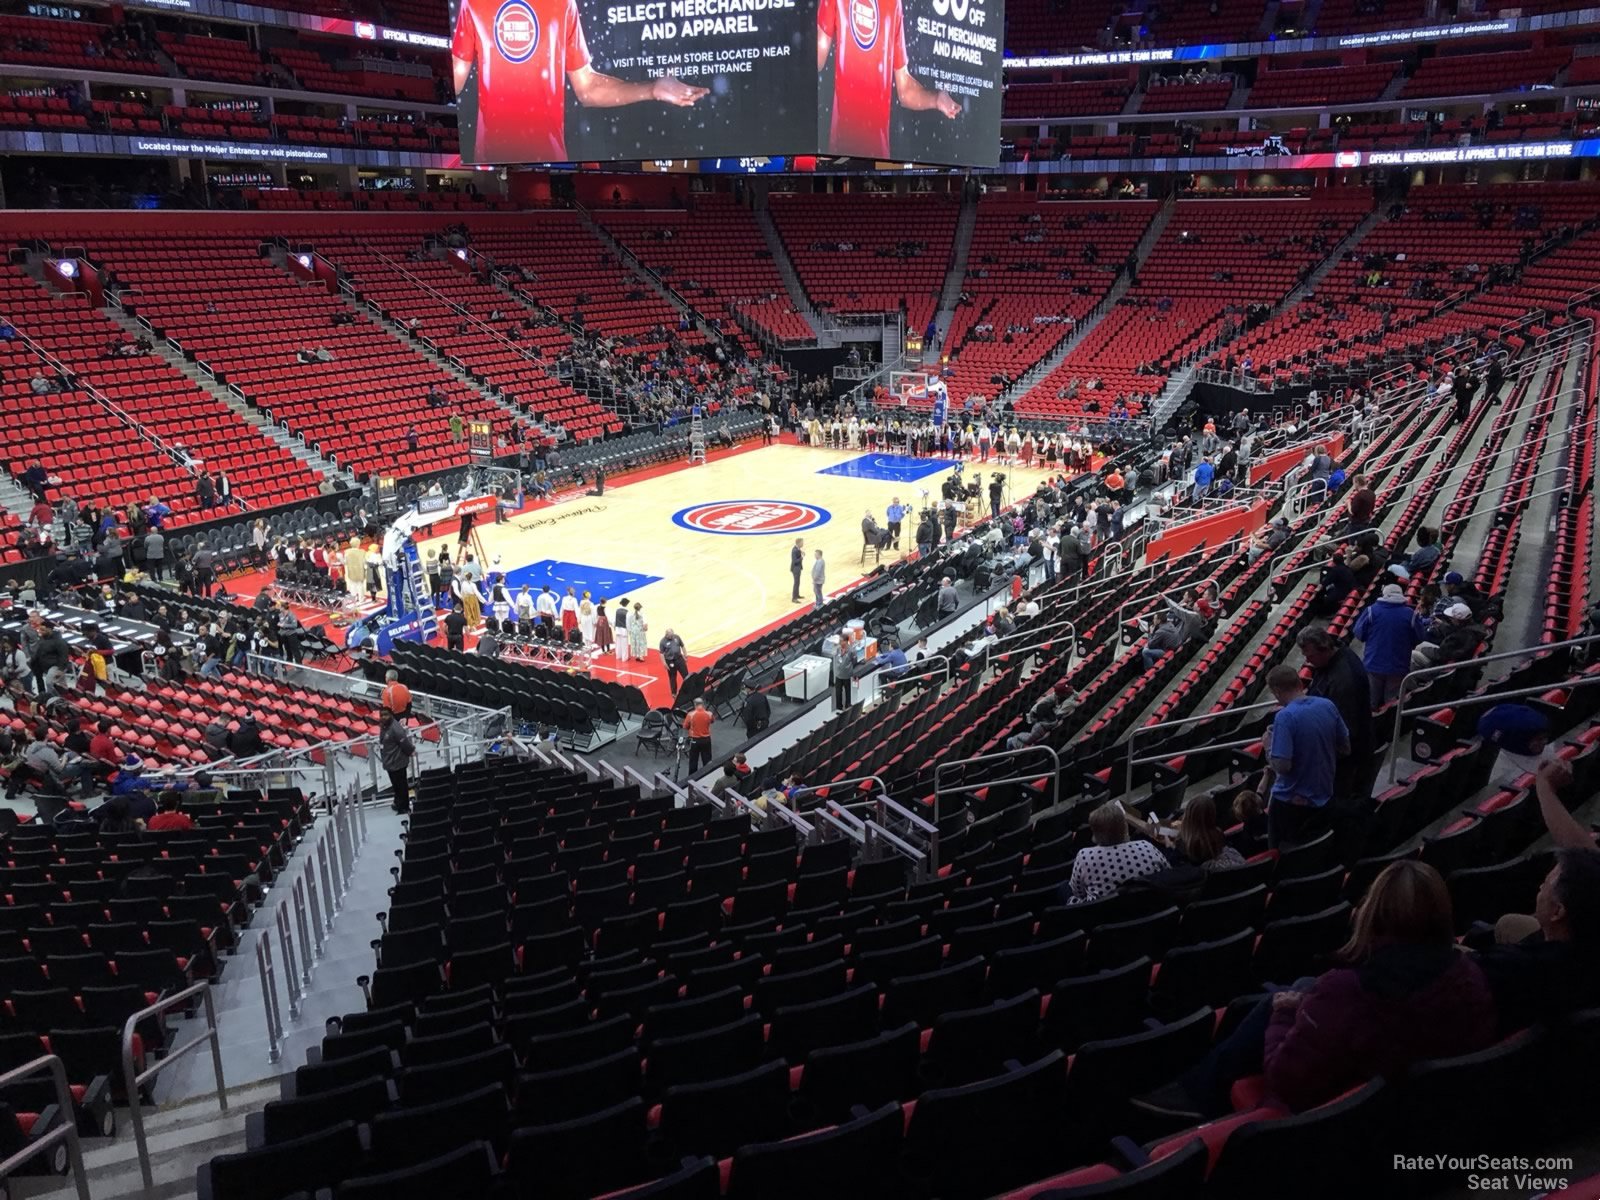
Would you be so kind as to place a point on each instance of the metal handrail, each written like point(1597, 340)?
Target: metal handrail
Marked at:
point(1446, 668)
point(1486, 698)
point(66, 1132)
point(134, 1080)
point(944, 672)
point(939, 790)
point(1133, 734)
point(810, 790)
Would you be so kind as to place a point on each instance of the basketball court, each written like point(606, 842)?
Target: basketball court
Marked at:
point(705, 549)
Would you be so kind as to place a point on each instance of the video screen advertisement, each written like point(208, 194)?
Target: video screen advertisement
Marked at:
point(910, 80)
point(559, 81)
point(549, 81)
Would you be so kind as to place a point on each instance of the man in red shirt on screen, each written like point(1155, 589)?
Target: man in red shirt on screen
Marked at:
point(868, 41)
point(524, 50)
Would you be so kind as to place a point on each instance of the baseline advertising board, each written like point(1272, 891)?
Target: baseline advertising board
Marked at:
point(558, 81)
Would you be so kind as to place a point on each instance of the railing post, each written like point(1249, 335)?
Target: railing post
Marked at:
point(133, 1079)
point(66, 1132)
point(330, 900)
point(308, 880)
point(292, 985)
point(308, 948)
point(269, 994)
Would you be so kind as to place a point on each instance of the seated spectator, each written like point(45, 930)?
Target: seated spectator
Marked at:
point(1166, 637)
point(1451, 637)
point(1547, 963)
point(1268, 539)
point(169, 819)
point(1099, 870)
point(1201, 840)
point(1520, 734)
point(1404, 994)
point(1249, 834)
point(1427, 551)
point(1337, 582)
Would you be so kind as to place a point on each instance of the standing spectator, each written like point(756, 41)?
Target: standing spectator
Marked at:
point(1337, 675)
point(672, 654)
point(819, 576)
point(797, 565)
point(155, 553)
point(1361, 504)
point(949, 600)
point(757, 711)
point(1303, 747)
point(455, 628)
point(205, 575)
point(841, 671)
point(395, 749)
point(395, 696)
point(697, 724)
point(638, 633)
point(1388, 631)
point(1203, 475)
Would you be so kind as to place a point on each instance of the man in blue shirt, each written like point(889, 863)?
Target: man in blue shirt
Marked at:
point(1203, 475)
point(1304, 745)
point(897, 513)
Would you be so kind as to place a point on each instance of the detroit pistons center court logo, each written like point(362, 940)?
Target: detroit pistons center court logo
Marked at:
point(864, 22)
point(516, 31)
point(751, 518)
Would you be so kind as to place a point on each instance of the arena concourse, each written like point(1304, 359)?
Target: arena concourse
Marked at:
point(801, 677)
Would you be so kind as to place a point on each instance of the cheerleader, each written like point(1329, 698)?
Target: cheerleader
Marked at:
point(586, 619)
point(603, 639)
point(569, 614)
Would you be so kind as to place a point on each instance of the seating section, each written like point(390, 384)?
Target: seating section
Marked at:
point(1034, 270)
point(247, 319)
point(457, 312)
point(338, 69)
point(97, 443)
point(713, 255)
point(1078, 99)
point(1386, 294)
point(166, 722)
point(1043, 26)
point(1466, 74)
point(95, 927)
point(1317, 87)
point(78, 45)
point(1180, 95)
point(1370, 16)
point(229, 59)
point(1200, 275)
point(869, 254)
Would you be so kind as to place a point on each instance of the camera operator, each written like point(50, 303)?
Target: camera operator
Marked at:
point(997, 493)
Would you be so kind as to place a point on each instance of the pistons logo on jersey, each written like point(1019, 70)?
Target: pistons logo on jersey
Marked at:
point(516, 31)
point(864, 22)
